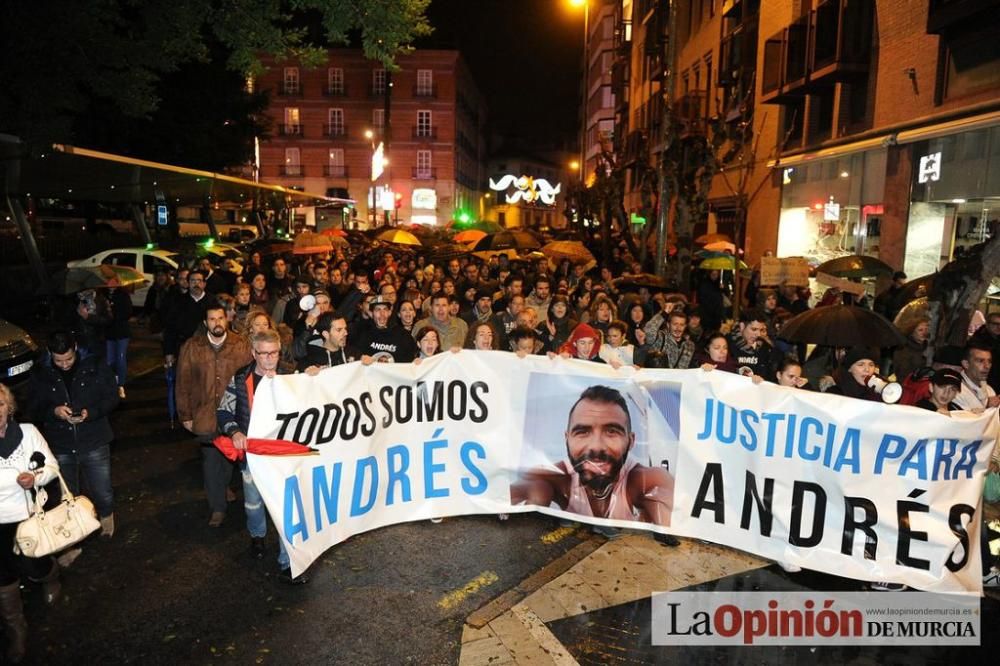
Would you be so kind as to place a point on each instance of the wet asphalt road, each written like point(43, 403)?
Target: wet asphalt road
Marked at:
point(169, 589)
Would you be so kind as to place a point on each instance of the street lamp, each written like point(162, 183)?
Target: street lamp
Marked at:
point(586, 38)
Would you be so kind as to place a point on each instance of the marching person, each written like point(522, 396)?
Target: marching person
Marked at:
point(25, 463)
point(330, 349)
point(205, 365)
point(72, 398)
point(233, 417)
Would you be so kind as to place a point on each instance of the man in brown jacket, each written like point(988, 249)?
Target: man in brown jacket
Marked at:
point(206, 363)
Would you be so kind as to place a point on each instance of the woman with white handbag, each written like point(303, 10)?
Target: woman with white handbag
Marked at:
point(21, 448)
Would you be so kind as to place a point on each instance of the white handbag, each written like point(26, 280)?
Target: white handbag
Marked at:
point(46, 532)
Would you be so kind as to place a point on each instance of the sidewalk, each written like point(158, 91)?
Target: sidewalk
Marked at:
point(512, 629)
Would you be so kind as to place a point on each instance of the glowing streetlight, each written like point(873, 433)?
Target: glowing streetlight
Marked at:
point(369, 134)
point(574, 166)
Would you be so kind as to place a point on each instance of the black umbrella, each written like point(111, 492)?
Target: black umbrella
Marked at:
point(855, 266)
point(842, 326)
point(522, 241)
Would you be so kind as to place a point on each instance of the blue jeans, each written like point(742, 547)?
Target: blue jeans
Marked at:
point(95, 468)
point(117, 351)
point(253, 504)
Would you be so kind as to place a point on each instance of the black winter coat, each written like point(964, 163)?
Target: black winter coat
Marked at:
point(92, 387)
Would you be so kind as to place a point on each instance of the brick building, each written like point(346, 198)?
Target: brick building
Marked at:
point(878, 120)
point(327, 122)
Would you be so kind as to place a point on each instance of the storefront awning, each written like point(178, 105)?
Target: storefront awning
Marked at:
point(922, 133)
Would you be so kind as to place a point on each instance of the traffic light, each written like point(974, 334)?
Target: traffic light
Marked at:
point(464, 217)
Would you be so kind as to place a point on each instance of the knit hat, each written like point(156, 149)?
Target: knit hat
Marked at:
point(855, 354)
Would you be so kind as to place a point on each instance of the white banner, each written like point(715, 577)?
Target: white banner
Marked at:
point(853, 488)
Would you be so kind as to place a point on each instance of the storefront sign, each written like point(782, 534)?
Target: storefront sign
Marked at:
point(789, 271)
point(424, 198)
point(526, 189)
point(831, 212)
point(930, 168)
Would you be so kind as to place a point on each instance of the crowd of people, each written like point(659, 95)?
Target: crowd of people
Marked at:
point(224, 328)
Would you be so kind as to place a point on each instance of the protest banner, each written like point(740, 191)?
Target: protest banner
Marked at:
point(788, 271)
point(849, 487)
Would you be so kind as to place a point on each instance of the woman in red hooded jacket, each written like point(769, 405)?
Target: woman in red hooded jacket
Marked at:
point(583, 343)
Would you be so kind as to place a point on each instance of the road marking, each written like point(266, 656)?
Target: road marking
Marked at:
point(452, 599)
point(557, 534)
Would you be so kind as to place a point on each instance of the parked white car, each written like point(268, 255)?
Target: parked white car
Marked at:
point(146, 261)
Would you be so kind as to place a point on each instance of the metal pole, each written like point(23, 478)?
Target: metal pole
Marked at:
point(28, 239)
point(666, 194)
point(139, 219)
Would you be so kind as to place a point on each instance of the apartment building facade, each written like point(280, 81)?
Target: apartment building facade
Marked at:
point(598, 111)
point(877, 122)
point(329, 122)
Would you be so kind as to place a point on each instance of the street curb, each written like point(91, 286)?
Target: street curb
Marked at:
point(503, 603)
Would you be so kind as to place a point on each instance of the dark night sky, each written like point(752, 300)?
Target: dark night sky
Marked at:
point(525, 55)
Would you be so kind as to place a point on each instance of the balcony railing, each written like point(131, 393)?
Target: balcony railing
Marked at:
point(292, 170)
point(335, 171)
point(334, 130)
point(425, 91)
point(290, 130)
point(841, 46)
point(623, 36)
point(636, 143)
point(424, 173)
point(425, 133)
point(335, 91)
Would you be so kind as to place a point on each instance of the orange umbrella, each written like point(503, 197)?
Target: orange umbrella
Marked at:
point(308, 242)
point(704, 239)
point(469, 236)
point(334, 232)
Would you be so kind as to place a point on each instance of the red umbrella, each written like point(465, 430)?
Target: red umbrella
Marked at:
point(333, 232)
point(263, 447)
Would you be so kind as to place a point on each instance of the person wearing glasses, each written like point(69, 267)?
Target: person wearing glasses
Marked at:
point(233, 418)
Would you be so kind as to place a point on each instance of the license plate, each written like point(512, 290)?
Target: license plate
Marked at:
point(18, 369)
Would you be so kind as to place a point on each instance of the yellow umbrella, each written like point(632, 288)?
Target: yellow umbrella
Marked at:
point(722, 264)
point(399, 237)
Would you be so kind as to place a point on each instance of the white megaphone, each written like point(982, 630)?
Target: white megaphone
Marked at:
point(891, 392)
point(307, 302)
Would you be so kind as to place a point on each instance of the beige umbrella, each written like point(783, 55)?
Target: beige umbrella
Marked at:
point(575, 251)
point(308, 242)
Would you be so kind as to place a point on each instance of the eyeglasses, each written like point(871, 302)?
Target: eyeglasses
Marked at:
point(267, 353)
